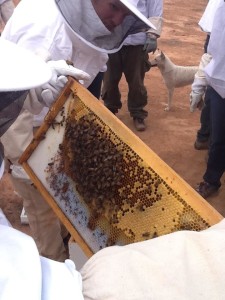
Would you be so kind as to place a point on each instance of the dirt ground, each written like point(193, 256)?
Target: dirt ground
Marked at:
point(170, 134)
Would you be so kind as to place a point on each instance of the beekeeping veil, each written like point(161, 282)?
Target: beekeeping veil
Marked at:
point(83, 21)
point(20, 70)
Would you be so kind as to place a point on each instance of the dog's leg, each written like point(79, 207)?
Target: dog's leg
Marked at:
point(170, 96)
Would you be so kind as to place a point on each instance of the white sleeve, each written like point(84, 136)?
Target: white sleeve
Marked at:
point(206, 21)
point(60, 280)
point(32, 27)
point(155, 15)
point(181, 265)
point(20, 276)
point(200, 82)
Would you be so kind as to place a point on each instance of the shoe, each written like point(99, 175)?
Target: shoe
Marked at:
point(201, 145)
point(139, 124)
point(206, 189)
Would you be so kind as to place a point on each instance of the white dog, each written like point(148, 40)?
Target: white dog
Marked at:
point(174, 76)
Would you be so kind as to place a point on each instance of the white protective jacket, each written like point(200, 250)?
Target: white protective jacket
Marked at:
point(39, 27)
point(44, 32)
point(215, 70)
point(206, 21)
point(200, 83)
point(153, 10)
point(26, 275)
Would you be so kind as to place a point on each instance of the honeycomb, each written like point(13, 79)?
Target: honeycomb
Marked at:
point(109, 193)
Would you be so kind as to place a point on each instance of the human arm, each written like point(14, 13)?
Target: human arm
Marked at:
point(60, 70)
point(171, 266)
point(199, 85)
point(47, 93)
point(27, 275)
point(155, 12)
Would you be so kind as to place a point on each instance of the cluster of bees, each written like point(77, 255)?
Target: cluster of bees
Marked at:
point(93, 163)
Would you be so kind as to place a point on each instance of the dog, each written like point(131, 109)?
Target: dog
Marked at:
point(173, 75)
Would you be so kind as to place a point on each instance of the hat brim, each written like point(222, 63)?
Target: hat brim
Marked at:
point(20, 69)
point(135, 11)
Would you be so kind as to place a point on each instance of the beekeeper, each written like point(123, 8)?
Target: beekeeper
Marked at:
point(199, 84)
point(28, 71)
point(82, 32)
point(24, 274)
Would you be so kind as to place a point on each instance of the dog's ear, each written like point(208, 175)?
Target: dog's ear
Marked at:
point(162, 55)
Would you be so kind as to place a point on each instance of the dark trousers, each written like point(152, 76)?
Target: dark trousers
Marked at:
point(203, 134)
point(216, 160)
point(133, 62)
point(95, 86)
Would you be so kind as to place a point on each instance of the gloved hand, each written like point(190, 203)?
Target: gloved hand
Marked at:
point(199, 85)
point(60, 71)
point(196, 100)
point(150, 44)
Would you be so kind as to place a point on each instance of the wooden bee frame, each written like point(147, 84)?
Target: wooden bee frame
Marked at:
point(153, 199)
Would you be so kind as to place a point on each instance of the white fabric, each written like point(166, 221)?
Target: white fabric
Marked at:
point(215, 70)
point(20, 69)
point(60, 70)
point(38, 26)
point(60, 280)
point(195, 100)
point(20, 275)
point(2, 167)
point(2, 1)
point(149, 8)
point(18, 172)
point(200, 83)
point(184, 265)
point(206, 21)
point(25, 275)
point(3, 219)
point(38, 119)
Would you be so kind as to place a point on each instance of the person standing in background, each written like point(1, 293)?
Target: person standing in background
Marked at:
point(214, 85)
point(203, 134)
point(132, 60)
point(96, 85)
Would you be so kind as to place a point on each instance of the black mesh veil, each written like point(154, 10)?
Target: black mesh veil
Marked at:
point(84, 22)
point(11, 104)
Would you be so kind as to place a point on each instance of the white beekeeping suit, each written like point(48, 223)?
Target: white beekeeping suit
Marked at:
point(24, 274)
point(206, 21)
point(215, 70)
point(184, 265)
point(14, 86)
point(58, 31)
point(200, 83)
